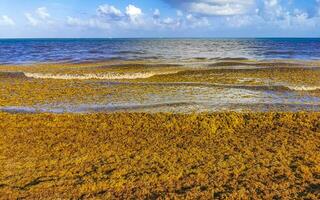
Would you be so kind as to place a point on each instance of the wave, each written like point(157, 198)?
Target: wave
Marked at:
point(166, 106)
point(128, 107)
point(106, 76)
point(144, 75)
point(206, 84)
point(233, 59)
point(131, 52)
point(304, 88)
point(85, 108)
point(270, 64)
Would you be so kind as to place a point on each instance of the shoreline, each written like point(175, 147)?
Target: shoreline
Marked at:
point(141, 86)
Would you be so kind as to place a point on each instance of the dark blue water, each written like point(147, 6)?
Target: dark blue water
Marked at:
point(21, 51)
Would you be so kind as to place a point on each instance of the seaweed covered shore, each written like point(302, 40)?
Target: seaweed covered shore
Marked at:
point(145, 86)
point(157, 156)
point(152, 130)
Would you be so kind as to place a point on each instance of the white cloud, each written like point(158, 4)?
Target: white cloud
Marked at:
point(276, 14)
point(6, 21)
point(170, 22)
point(43, 13)
point(108, 16)
point(134, 14)
point(182, 22)
point(279, 14)
point(271, 3)
point(156, 14)
point(241, 21)
point(214, 7)
point(110, 12)
point(87, 23)
point(32, 21)
point(214, 15)
point(132, 10)
point(197, 21)
point(273, 10)
point(300, 16)
point(40, 16)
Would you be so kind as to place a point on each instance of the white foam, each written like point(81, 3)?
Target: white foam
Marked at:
point(105, 76)
point(304, 88)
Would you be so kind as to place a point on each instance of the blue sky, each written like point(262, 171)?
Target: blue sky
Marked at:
point(159, 18)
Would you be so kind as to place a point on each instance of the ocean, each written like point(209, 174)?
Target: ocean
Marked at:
point(25, 51)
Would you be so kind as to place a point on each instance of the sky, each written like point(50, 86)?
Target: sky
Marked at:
point(159, 18)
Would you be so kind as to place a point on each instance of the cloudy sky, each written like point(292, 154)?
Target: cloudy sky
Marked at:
point(159, 18)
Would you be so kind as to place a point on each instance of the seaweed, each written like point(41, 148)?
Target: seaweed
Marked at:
point(162, 155)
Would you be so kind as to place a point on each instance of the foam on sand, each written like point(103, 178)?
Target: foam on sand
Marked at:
point(105, 76)
point(304, 88)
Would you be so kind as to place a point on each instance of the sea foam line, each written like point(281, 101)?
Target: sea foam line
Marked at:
point(107, 76)
point(304, 88)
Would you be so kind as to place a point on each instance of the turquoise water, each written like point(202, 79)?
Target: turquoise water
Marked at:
point(21, 51)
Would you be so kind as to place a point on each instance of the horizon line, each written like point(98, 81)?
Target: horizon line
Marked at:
point(280, 37)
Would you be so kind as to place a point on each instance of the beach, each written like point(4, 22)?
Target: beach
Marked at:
point(160, 119)
point(231, 129)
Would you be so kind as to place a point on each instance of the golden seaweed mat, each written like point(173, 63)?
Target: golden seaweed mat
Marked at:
point(160, 156)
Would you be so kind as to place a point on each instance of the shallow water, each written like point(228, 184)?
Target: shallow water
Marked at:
point(184, 99)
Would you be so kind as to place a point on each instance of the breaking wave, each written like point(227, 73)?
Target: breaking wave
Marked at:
point(206, 84)
point(304, 88)
point(144, 75)
point(106, 76)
